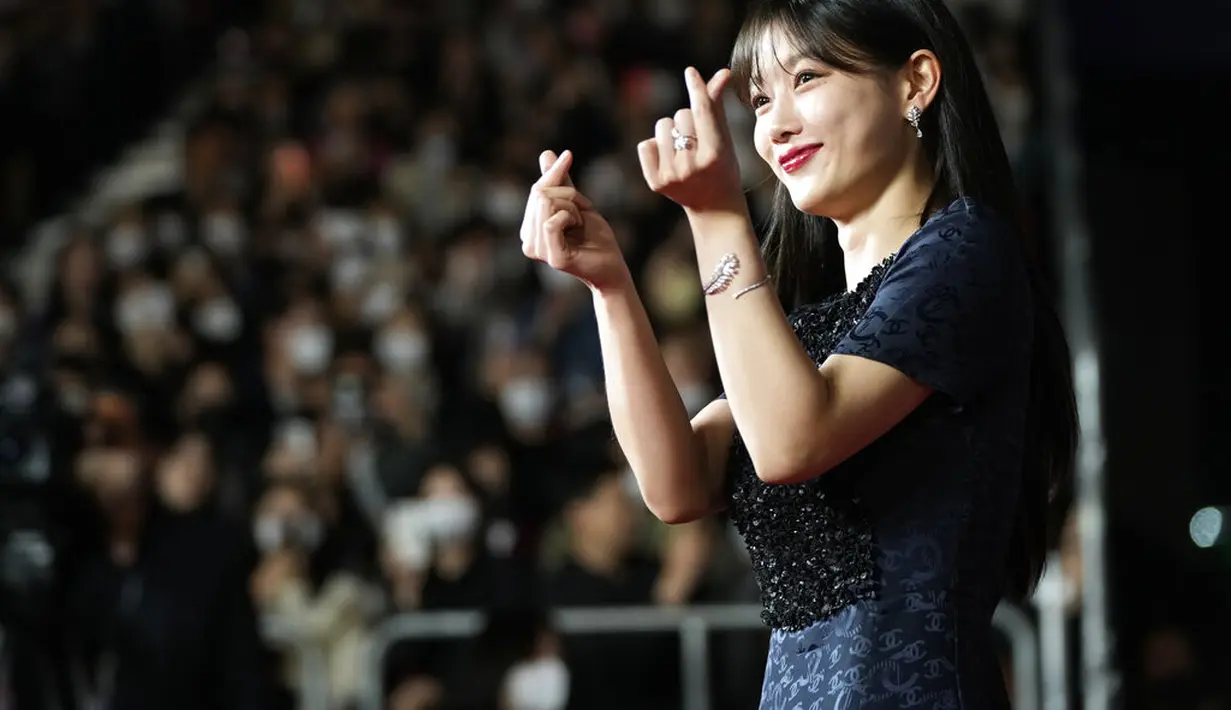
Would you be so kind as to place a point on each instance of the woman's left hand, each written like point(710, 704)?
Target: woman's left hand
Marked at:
point(703, 174)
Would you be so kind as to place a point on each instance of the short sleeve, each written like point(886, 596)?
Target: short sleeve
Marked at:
point(953, 311)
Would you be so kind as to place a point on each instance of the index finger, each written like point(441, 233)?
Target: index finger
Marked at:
point(555, 169)
point(706, 101)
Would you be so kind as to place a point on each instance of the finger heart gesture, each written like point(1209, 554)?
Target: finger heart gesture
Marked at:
point(562, 229)
point(690, 159)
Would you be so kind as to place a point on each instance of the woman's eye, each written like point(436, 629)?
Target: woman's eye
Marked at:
point(805, 76)
point(759, 101)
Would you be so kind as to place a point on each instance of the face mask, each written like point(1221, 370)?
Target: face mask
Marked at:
point(342, 229)
point(269, 534)
point(126, 246)
point(223, 233)
point(304, 533)
point(450, 519)
point(382, 300)
point(526, 402)
point(401, 351)
point(541, 684)
point(8, 324)
point(406, 534)
point(696, 397)
point(145, 308)
point(504, 204)
point(218, 320)
point(349, 273)
point(298, 436)
point(311, 349)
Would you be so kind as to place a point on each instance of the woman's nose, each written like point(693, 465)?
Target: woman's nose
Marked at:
point(784, 121)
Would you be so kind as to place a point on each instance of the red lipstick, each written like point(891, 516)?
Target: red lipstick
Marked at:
point(795, 158)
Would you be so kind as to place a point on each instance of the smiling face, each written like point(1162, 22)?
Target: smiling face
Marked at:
point(835, 139)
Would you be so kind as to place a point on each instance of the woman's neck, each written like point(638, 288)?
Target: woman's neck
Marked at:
point(870, 235)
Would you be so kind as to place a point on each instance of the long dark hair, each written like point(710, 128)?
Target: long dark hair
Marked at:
point(962, 143)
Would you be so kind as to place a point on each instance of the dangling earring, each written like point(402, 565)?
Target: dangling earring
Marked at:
point(912, 117)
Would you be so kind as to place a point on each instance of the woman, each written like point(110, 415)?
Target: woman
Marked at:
point(888, 451)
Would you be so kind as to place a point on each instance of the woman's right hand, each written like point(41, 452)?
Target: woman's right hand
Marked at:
point(562, 229)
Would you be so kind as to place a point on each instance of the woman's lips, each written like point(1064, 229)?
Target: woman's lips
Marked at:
point(795, 159)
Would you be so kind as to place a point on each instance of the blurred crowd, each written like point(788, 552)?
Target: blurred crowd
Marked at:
point(316, 381)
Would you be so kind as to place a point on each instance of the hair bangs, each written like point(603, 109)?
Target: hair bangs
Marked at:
point(801, 28)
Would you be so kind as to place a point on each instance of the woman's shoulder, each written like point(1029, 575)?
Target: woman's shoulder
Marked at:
point(964, 223)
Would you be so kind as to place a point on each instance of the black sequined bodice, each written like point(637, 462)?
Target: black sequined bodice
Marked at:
point(810, 544)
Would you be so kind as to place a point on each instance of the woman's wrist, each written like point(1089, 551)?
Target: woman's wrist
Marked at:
point(719, 221)
point(618, 286)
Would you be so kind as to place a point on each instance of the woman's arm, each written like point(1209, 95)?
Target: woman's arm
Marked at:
point(787, 411)
point(678, 466)
point(797, 421)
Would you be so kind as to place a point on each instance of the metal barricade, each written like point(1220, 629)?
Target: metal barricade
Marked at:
point(694, 625)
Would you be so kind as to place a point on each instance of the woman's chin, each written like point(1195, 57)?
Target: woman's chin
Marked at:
point(811, 201)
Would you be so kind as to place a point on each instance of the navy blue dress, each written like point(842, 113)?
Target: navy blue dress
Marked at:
point(880, 577)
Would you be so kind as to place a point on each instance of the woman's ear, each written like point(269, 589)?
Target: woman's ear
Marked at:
point(921, 80)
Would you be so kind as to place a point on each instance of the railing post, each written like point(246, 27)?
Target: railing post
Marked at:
point(695, 663)
point(1053, 636)
point(1014, 623)
point(694, 626)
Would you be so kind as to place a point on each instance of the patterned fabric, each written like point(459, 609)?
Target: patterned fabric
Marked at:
point(880, 577)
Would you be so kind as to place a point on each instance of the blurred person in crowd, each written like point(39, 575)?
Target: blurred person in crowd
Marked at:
point(77, 290)
point(298, 583)
point(437, 556)
point(603, 567)
point(159, 603)
point(185, 475)
point(918, 397)
point(154, 350)
point(40, 519)
point(514, 664)
point(528, 396)
point(563, 321)
point(236, 427)
point(468, 275)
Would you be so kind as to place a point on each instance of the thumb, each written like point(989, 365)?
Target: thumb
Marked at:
point(547, 159)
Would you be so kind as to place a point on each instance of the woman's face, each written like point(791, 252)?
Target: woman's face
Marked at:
point(851, 128)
